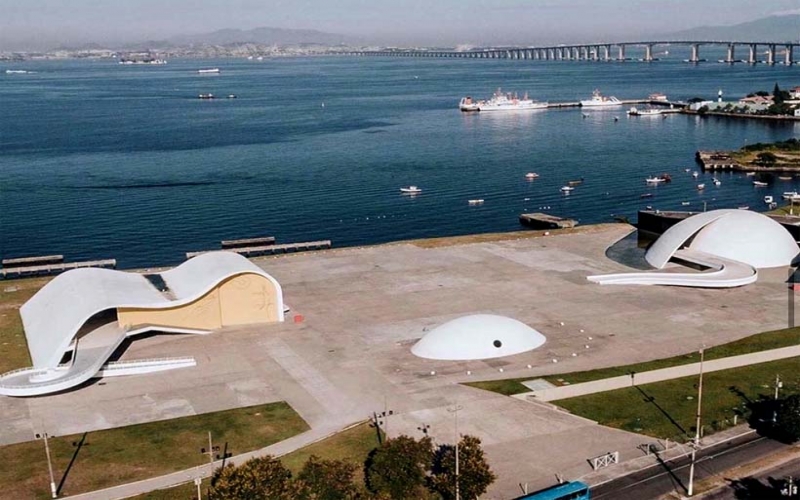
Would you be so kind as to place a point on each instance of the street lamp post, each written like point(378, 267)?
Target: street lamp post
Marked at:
point(455, 411)
point(53, 490)
point(778, 385)
point(696, 443)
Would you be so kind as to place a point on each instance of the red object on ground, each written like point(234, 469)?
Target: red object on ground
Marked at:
point(298, 318)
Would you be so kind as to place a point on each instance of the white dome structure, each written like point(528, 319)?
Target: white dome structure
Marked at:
point(739, 235)
point(479, 336)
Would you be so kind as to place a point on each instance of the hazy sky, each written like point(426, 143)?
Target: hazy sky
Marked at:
point(49, 22)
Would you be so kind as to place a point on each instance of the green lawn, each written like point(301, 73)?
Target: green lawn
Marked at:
point(131, 453)
point(759, 342)
point(667, 409)
point(352, 445)
point(13, 346)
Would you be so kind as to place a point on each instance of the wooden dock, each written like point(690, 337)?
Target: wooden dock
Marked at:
point(546, 221)
point(248, 242)
point(51, 269)
point(257, 251)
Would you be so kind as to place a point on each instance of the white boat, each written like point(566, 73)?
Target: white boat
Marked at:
point(655, 180)
point(768, 199)
point(716, 182)
point(634, 111)
point(567, 189)
point(701, 187)
point(599, 100)
point(410, 190)
point(208, 71)
point(16, 72)
point(788, 195)
point(695, 175)
point(750, 174)
point(502, 102)
point(785, 177)
point(531, 175)
point(468, 104)
point(759, 184)
point(686, 203)
point(478, 201)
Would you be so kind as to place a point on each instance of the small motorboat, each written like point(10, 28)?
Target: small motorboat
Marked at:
point(760, 184)
point(695, 175)
point(531, 175)
point(210, 71)
point(768, 199)
point(701, 187)
point(772, 206)
point(655, 180)
point(576, 182)
point(646, 195)
point(567, 189)
point(716, 182)
point(687, 170)
point(232, 96)
point(788, 195)
point(478, 201)
point(686, 203)
point(750, 174)
point(410, 190)
point(205, 96)
point(785, 177)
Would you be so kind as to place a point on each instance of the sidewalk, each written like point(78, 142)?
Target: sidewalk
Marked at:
point(185, 476)
point(609, 384)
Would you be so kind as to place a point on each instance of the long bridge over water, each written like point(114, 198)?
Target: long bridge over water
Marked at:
point(774, 52)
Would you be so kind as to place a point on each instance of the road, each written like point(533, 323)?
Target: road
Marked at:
point(674, 475)
point(764, 486)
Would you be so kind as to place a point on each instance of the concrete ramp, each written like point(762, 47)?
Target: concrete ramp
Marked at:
point(721, 273)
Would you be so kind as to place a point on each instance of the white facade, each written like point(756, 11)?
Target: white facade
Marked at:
point(479, 336)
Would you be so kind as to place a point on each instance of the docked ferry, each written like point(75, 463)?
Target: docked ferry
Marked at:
point(502, 102)
point(599, 100)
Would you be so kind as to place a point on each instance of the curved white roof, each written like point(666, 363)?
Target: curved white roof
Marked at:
point(53, 316)
point(738, 235)
point(480, 336)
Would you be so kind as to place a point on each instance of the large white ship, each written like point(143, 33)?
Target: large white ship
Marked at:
point(501, 102)
point(599, 100)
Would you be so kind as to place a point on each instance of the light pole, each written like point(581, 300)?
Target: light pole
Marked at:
point(778, 385)
point(455, 411)
point(696, 443)
point(53, 490)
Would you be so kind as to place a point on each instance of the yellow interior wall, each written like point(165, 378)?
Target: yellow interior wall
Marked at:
point(239, 300)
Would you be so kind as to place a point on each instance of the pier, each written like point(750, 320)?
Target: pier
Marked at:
point(247, 242)
point(540, 220)
point(258, 251)
point(776, 52)
point(32, 261)
point(51, 269)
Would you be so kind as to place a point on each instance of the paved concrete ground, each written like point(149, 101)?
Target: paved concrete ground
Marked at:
point(365, 307)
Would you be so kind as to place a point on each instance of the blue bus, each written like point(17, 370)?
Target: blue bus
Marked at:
point(571, 490)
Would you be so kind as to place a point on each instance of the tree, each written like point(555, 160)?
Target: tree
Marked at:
point(263, 478)
point(327, 480)
point(398, 469)
point(766, 158)
point(474, 474)
point(787, 424)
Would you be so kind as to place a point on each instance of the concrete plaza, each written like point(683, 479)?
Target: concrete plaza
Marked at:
point(363, 308)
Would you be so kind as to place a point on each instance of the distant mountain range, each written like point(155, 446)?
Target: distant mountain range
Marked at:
point(262, 36)
point(768, 29)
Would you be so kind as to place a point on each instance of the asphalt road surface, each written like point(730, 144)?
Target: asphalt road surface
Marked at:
point(674, 475)
point(763, 486)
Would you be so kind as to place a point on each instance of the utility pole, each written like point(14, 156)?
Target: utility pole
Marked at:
point(778, 385)
point(210, 449)
point(696, 443)
point(53, 490)
point(455, 411)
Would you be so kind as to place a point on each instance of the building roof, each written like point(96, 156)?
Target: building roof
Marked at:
point(479, 336)
point(53, 316)
point(738, 235)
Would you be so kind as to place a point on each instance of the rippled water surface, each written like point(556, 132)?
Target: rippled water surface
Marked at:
point(99, 160)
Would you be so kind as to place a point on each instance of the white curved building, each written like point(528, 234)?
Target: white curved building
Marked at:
point(77, 321)
point(731, 244)
point(475, 337)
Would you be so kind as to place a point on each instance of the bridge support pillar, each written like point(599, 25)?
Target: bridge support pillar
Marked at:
point(771, 54)
point(606, 52)
point(788, 58)
point(648, 53)
point(731, 56)
point(695, 57)
point(576, 53)
point(751, 59)
point(585, 53)
point(621, 53)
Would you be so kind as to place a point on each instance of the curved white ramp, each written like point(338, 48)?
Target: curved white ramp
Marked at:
point(723, 273)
